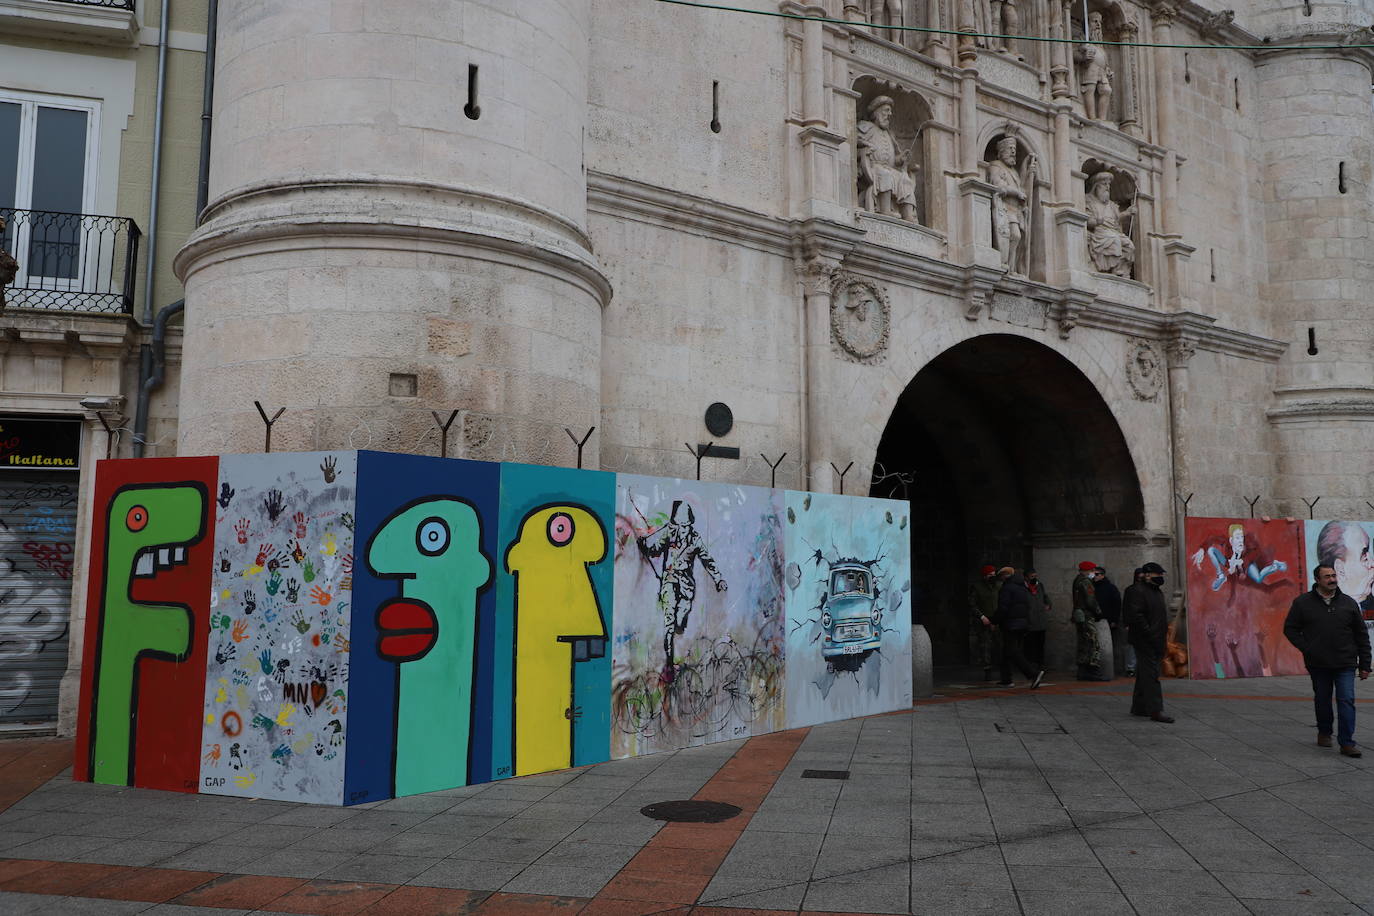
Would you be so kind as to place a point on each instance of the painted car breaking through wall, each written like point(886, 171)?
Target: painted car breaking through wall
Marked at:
point(344, 627)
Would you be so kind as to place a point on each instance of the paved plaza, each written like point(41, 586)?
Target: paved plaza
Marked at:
point(978, 801)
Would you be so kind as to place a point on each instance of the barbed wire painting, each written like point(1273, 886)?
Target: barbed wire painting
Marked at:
point(848, 607)
point(698, 641)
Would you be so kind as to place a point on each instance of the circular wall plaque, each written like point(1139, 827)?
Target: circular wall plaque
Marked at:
point(719, 419)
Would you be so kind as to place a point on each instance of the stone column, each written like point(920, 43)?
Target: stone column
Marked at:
point(818, 273)
point(1179, 351)
point(396, 223)
point(1130, 95)
point(1164, 13)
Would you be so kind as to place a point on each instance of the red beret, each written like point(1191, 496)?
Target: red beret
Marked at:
point(1087, 566)
point(989, 570)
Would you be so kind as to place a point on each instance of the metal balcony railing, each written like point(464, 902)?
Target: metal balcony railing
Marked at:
point(71, 262)
point(108, 4)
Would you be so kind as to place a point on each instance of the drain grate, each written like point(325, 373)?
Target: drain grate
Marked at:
point(690, 812)
point(1007, 728)
point(825, 774)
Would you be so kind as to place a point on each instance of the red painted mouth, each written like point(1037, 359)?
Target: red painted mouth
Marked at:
point(406, 630)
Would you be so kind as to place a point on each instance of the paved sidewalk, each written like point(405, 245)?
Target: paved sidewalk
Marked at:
point(982, 801)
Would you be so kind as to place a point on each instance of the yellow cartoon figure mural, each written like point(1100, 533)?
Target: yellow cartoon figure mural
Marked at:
point(558, 622)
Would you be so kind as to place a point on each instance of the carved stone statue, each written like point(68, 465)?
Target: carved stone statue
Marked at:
point(1005, 21)
point(9, 267)
point(886, 181)
point(886, 12)
point(1094, 72)
point(1109, 244)
point(1011, 204)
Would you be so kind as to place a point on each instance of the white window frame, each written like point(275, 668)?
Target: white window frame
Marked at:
point(29, 103)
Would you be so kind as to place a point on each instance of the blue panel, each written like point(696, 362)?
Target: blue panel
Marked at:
point(532, 502)
point(389, 486)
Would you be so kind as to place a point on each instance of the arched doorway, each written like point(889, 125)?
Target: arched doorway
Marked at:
point(999, 443)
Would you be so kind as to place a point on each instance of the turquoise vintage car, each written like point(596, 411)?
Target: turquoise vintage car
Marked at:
point(851, 618)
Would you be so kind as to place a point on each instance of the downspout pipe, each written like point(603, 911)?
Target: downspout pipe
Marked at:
point(207, 107)
point(153, 370)
point(157, 161)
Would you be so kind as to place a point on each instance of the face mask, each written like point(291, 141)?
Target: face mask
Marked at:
point(1156, 580)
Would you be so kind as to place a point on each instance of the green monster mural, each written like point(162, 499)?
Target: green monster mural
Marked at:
point(433, 546)
point(150, 527)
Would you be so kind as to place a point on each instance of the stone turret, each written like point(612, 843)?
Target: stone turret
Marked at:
point(1317, 149)
point(396, 223)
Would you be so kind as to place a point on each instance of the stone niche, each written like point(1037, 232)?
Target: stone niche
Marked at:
point(1114, 232)
point(894, 156)
point(1016, 201)
point(1106, 76)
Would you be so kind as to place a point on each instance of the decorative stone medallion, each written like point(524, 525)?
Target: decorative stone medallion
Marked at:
point(1145, 368)
point(860, 318)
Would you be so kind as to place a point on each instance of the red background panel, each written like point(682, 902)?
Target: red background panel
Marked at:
point(170, 694)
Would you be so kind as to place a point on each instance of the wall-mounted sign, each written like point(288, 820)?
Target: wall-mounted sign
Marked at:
point(38, 444)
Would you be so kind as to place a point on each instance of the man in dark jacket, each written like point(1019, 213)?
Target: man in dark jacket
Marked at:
point(1034, 643)
point(1146, 614)
point(1327, 627)
point(1086, 614)
point(1013, 616)
point(1109, 602)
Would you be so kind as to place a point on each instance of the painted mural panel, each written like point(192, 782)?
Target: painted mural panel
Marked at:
point(699, 628)
point(148, 613)
point(1242, 576)
point(276, 685)
point(1348, 547)
point(420, 713)
point(553, 671)
point(848, 581)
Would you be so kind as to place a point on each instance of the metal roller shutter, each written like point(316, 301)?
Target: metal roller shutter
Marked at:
point(37, 542)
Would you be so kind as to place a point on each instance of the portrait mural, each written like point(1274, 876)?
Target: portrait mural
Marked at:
point(1242, 575)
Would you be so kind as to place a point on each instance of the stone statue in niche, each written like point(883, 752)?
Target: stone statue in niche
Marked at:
point(1005, 20)
point(1012, 203)
point(1109, 241)
point(886, 12)
point(1094, 72)
point(9, 267)
point(887, 182)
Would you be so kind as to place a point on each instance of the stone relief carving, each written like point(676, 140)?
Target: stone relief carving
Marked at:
point(1109, 230)
point(9, 267)
point(1144, 369)
point(860, 317)
point(1213, 23)
point(1013, 202)
point(1094, 72)
point(887, 173)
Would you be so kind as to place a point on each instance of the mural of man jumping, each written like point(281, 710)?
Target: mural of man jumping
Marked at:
point(681, 546)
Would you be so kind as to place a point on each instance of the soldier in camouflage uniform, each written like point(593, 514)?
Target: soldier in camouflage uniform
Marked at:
point(982, 605)
point(1085, 616)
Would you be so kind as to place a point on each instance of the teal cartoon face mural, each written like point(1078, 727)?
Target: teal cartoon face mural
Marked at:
point(149, 528)
point(433, 548)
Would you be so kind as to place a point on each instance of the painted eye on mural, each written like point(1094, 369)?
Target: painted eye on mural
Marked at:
point(560, 529)
point(137, 519)
point(432, 536)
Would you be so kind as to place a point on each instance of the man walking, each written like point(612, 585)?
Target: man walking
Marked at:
point(1327, 627)
point(1013, 616)
point(1146, 616)
point(982, 605)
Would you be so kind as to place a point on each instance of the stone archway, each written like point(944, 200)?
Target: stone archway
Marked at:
point(1001, 443)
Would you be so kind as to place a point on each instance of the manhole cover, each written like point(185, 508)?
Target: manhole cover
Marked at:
point(692, 812)
point(825, 774)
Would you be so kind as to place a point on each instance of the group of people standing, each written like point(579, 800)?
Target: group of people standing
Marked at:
point(1010, 612)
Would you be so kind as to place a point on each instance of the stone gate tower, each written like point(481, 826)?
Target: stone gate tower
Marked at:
point(1317, 125)
point(396, 223)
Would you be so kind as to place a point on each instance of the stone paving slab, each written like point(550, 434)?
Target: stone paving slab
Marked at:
point(981, 801)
